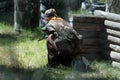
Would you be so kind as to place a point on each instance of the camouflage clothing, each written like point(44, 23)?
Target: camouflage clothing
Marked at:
point(63, 42)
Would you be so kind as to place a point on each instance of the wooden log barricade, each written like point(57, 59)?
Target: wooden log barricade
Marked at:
point(92, 29)
point(112, 23)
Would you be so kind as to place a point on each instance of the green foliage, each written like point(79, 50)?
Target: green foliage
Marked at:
point(102, 1)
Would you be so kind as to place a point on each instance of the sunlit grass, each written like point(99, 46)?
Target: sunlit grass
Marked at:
point(21, 50)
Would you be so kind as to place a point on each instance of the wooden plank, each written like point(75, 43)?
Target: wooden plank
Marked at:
point(89, 51)
point(93, 41)
point(113, 32)
point(91, 34)
point(88, 28)
point(115, 47)
point(113, 25)
point(115, 56)
point(91, 56)
point(87, 19)
point(114, 39)
point(107, 15)
point(116, 64)
point(91, 47)
point(85, 24)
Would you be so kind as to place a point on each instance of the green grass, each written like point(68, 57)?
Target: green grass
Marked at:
point(24, 51)
point(23, 57)
point(21, 50)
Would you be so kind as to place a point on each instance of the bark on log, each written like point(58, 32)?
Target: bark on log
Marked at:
point(113, 39)
point(112, 24)
point(113, 32)
point(107, 15)
point(115, 47)
point(116, 64)
point(115, 56)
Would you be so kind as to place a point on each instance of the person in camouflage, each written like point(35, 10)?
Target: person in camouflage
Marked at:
point(63, 42)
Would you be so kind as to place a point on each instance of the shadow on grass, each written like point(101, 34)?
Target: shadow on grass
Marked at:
point(64, 74)
point(7, 39)
point(14, 73)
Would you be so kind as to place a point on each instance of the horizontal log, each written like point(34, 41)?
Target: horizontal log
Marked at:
point(86, 19)
point(113, 32)
point(91, 34)
point(89, 51)
point(91, 47)
point(116, 64)
point(114, 39)
point(112, 25)
point(115, 56)
point(107, 15)
point(115, 47)
point(88, 28)
point(93, 41)
point(91, 56)
point(84, 24)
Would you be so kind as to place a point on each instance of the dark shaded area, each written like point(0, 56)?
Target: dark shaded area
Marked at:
point(7, 73)
point(7, 39)
point(6, 5)
point(75, 4)
point(7, 18)
point(7, 11)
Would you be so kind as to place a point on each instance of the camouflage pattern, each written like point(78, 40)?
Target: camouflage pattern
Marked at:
point(63, 42)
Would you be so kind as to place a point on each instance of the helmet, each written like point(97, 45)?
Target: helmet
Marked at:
point(50, 12)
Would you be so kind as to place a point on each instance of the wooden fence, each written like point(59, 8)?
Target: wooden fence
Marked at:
point(92, 29)
point(112, 22)
point(101, 35)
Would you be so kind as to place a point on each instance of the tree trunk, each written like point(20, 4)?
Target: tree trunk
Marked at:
point(75, 4)
point(113, 6)
point(26, 14)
